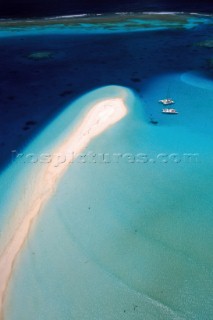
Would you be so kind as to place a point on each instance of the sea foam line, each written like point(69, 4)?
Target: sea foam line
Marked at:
point(67, 16)
point(98, 119)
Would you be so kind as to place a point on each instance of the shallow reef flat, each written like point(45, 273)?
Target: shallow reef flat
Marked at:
point(110, 21)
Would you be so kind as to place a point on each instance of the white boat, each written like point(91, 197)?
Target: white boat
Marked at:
point(169, 111)
point(167, 101)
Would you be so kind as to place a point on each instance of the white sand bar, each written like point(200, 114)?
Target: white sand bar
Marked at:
point(99, 118)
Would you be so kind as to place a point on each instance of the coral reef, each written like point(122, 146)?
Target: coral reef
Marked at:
point(40, 55)
point(206, 44)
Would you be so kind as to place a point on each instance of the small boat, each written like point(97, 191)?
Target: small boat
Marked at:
point(169, 111)
point(167, 101)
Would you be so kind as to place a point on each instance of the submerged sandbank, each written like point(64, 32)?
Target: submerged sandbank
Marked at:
point(99, 118)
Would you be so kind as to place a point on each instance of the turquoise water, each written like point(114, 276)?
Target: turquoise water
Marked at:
point(129, 237)
point(126, 239)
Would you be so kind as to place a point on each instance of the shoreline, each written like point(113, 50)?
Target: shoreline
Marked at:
point(131, 20)
point(102, 14)
point(101, 116)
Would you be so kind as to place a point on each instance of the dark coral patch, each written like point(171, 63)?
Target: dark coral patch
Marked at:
point(136, 79)
point(25, 128)
point(66, 93)
point(30, 123)
point(11, 98)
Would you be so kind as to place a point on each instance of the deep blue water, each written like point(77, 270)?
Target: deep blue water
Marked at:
point(39, 8)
